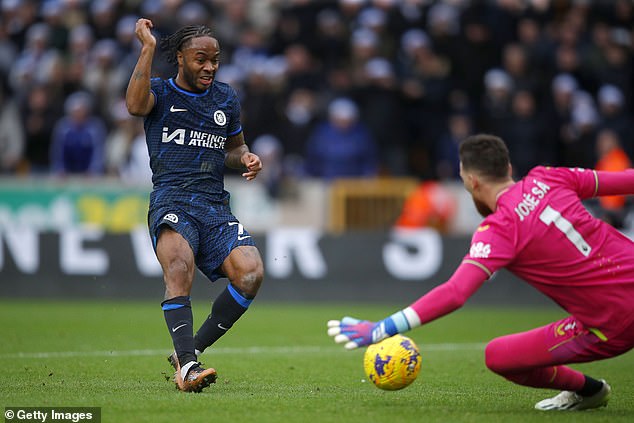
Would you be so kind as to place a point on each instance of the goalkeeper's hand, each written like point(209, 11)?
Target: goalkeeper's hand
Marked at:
point(358, 333)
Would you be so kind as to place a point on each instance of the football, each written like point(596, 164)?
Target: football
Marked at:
point(393, 363)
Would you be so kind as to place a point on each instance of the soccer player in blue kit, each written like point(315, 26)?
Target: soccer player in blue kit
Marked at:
point(193, 130)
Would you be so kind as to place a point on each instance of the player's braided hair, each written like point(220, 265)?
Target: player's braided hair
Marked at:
point(173, 43)
point(487, 154)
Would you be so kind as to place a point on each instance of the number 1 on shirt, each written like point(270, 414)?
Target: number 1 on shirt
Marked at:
point(550, 215)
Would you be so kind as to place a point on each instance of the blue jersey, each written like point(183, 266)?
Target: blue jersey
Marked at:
point(186, 134)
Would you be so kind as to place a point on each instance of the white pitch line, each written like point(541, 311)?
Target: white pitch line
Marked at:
point(226, 350)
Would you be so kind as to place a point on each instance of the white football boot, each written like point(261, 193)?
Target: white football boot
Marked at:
point(568, 400)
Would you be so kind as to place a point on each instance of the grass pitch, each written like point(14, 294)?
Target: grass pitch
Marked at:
point(276, 365)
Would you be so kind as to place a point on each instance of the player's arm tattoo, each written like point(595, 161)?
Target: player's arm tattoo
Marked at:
point(235, 147)
point(138, 75)
point(234, 141)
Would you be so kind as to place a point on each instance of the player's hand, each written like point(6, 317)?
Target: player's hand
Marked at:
point(253, 164)
point(355, 333)
point(144, 33)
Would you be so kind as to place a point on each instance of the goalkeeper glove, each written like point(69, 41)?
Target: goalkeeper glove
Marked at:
point(358, 333)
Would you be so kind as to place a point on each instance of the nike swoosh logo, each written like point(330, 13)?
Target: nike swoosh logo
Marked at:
point(240, 238)
point(174, 109)
point(222, 327)
point(178, 327)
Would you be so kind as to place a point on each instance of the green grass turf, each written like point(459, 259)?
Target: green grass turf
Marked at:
point(276, 365)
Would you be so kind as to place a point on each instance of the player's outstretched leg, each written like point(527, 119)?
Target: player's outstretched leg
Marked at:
point(569, 400)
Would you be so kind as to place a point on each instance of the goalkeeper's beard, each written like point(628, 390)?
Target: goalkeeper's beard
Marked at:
point(482, 208)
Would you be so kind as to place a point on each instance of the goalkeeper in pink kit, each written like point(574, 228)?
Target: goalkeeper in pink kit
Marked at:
point(538, 229)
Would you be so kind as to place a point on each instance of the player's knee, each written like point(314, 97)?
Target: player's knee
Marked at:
point(178, 276)
point(249, 277)
point(249, 281)
point(245, 270)
point(494, 358)
point(177, 269)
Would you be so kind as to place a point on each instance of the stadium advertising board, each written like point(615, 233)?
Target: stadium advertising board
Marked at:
point(54, 206)
point(89, 241)
point(301, 264)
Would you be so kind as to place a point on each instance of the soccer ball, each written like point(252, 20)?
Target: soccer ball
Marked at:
point(393, 363)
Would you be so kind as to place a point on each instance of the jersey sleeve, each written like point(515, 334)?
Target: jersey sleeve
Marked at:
point(615, 183)
point(492, 245)
point(449, 296)
point(582, 181)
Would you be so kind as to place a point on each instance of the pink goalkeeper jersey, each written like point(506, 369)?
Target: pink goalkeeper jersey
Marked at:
point(543, 234)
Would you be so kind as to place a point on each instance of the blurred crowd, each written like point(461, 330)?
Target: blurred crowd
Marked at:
point(330, 88)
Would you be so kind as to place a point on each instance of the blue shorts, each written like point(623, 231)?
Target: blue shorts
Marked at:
point(209, 227)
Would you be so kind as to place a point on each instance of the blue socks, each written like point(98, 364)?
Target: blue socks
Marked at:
point(178, 316)
point(225, 311)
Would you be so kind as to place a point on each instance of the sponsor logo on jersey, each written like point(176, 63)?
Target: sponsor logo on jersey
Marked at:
point(483, 228)
point(220, 118)
point(193, 138)
point(171, 217)
point(174, 109)
point(480, 250)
